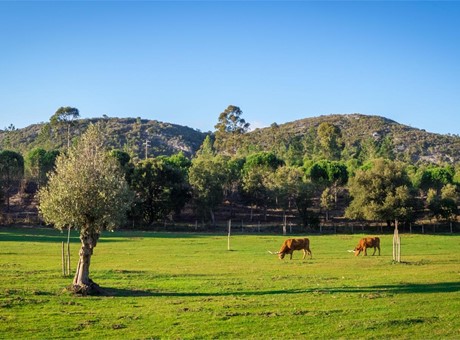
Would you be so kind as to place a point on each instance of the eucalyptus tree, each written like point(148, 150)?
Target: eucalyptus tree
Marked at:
point(87, 192)
point(65, 116)
point(229, 129)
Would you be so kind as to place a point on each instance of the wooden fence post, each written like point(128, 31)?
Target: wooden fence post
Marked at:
point(396, 244)
point(229, 233)
point(63, 259)
point(284, 225)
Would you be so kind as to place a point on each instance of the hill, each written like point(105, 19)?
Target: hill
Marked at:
point(358, 132)
point(128, 134)
point(407, 143)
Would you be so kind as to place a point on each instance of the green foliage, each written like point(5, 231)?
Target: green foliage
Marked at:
point(329, 139)
point(229, 128)
point(262, 159)
point(207, 177)
point(11, 173)
point(87, 191)
point(443, 205)
point(161, 188)
point(436, 177)
point(122, 157)
point(121, 133)
point(39, 163)
point(381, 191)
point(65, 116)
point(363, 138)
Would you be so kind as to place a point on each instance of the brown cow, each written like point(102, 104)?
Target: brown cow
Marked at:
point(292, 244)
point(367, 242)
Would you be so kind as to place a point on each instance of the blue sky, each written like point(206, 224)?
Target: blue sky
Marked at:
point(185, 62)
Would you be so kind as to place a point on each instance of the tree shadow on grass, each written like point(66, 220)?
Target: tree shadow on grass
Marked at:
point(403, 288)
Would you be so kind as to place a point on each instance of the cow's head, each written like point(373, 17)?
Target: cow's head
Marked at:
point(357, 250)
point(281, 255)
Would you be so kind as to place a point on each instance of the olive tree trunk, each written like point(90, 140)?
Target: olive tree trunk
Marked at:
point(82, 283)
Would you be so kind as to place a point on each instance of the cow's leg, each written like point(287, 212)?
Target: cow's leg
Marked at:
point(379, 250)
point(375, 249)
point(290, 255)
point(365, 251)
point(304, 254)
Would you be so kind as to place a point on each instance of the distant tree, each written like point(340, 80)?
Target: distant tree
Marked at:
point(11, 173)
point(449, 202)
point(443, 205)
point(381, 191)
point(11, 127)
point(33, 161)
point(304, 203)
point(87, 192)
point(282, 185)
point(65, 116)
point(294, 153)
point(330, 141)
point(39, 163)
point(7, 141)
point(436, 177)
point(310, 144)
point(124, 160)
point(179, 161)
point(327, 201)
point(122, 157)
point(160, 187)
point(456, 177)
point(232, 183)
point(332, 174)
point(257, 172)
point(264, 159)
point(386, 148)
point(229, 128)
point(207, 176)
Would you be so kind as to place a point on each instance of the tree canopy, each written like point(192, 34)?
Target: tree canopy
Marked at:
point(87, 192)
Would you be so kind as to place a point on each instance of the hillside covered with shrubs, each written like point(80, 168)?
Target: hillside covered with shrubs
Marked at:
point(313, 172)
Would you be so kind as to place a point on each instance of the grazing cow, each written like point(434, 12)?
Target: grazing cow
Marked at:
point(367, 242)
point(292, 244)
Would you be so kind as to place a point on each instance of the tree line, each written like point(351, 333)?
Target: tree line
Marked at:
point(225, 169)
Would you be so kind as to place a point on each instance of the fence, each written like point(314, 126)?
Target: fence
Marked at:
point(353, 227)
point(24, 217)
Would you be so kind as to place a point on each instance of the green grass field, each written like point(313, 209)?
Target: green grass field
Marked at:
point(189, 286)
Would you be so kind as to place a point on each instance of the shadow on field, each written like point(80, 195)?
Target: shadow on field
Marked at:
point(43, 235)
point(48, 234)
point(404, 288)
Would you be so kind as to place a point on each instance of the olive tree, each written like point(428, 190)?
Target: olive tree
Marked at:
point(87, 192)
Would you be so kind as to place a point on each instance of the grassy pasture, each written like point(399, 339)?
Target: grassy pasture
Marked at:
point(171, 285)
